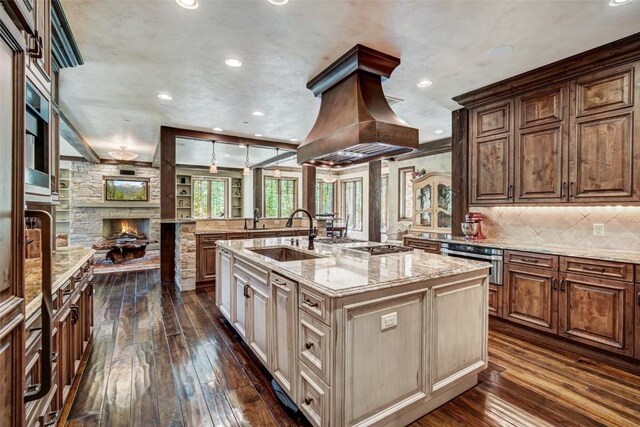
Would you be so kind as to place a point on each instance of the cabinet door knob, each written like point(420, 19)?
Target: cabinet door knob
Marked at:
point(308, 400)
point(308, 345)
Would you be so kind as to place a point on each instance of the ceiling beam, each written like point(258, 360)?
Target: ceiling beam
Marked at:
point(428, 149)
point(219, 137)
point(69, 132)
point(274, 159)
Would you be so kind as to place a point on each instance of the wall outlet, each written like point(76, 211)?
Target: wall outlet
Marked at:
point(388, 321)
point(598, 229)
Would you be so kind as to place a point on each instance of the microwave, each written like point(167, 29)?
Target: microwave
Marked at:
point(36, 150)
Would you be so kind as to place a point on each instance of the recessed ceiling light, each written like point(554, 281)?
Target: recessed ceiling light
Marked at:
point(425, 83)
point(258, 113)
point(279, 2)
point(233, 62)
point(438, 131)
point(500, 51)
point(188, 4)
point(618, 2)
point(165, 96)
point(218, 129)
point(227, 155)
point(293, 139)
point(257, 134)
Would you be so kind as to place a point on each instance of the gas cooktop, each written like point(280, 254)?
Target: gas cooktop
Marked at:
point(383, 249)
point(336, 240)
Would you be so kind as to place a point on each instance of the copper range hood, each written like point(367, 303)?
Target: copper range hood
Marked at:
point(355, 123)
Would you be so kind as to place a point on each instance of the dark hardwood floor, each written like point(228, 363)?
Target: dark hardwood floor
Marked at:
point(166, 359)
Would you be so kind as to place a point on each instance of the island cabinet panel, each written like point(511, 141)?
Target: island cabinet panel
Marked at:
point(224, 280)
point(491, 153)
point(240, 295)
point(636, 352)
point(384, 364)
point(259, 320)
point(313, 401)
point(459, 327)
point(284, 340)
point(531, 297)
point(314, 345)
point(597, 312)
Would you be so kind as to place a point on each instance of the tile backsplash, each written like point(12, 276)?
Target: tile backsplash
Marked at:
point(566, 225)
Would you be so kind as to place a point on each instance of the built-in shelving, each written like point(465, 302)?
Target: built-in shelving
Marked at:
point(184, 196)
point(63, 210)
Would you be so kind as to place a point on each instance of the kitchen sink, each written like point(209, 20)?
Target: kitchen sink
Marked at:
point(284, 254)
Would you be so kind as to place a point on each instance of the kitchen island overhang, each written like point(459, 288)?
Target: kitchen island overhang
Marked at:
point(356, 339)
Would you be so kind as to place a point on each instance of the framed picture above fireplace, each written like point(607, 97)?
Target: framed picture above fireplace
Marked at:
point(126, 190)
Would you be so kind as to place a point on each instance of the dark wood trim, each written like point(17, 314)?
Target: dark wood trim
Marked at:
point(71, 134)
point(74, 159)
point(375, 201)
point(198, 167)
point(258, 189)
point(427, 149)
point(232, 139)
point(274, 159)
point(617, 52)
point(167, 204)
point(128, 163)
point(401, 194)
point(459, 169)
point(309, 189)
point(64, 47)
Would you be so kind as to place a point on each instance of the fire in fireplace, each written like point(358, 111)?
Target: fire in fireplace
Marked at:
point(126, 228)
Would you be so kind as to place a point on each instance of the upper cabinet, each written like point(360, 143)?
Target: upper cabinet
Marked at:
point(433, 202)
point(39, 62)
point(576, 141)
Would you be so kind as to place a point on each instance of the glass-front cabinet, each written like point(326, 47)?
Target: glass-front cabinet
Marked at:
point(432, 203)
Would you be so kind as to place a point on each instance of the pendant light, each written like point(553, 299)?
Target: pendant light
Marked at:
point(277, 173)
point(246, 171)
point(330, 179)
point(213, 168)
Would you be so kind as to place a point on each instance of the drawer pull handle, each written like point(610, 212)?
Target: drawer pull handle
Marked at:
point(310, 304)
point(75, 314)
point(596, 269)
point(532, 260)
point(308, 400)
point(54, 356)
point(246, 291)
point(554, 284)
point(562, 285)
point(308, 345)
point(67, 292)
point(53, 418)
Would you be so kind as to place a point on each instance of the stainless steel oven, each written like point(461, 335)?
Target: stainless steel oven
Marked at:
point(36, 150)
point(478, 253)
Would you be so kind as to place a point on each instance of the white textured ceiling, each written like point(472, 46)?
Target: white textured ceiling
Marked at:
point(194, 152)
point(135, 49)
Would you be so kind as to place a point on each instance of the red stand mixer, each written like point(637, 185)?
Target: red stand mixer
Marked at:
point(472, 227)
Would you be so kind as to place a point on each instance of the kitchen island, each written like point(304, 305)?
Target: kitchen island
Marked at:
point(354, 338)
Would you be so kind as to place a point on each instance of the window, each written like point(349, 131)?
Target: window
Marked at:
point(405, 201)
point(210, 197)
point(383, 203)
point(279, 197)
point(325, 197)
point(352, 203)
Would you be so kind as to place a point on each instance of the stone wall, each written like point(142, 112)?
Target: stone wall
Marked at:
point(88, 208)
point(185, 257)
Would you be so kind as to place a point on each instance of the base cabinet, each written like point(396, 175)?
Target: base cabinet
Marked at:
point(636, 352)
point(495, 300)
point(259, 320)
point(239, 318)
point(597, 312)
point(284, 320)
point(224, 282)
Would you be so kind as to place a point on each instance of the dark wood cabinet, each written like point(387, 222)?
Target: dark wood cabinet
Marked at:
point(39, 61)
point(495, 300)
point(597, 312)
point(576, 141)
point(636, 351)
point(424, 245)
point(531, 297)
point(491, 152)
point(541, 146)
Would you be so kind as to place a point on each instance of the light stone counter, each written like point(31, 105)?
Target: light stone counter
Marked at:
point(545, 248)
point(341, 271)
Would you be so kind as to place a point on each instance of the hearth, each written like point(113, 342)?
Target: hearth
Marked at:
point(125, 228)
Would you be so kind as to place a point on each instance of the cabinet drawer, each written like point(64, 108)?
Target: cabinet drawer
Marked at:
point(236, 236)
point(313, 345)
point(533, 259)
point(210, 238)
point(495, 300)
point(315, 304)
point(313, 398)
point(597, 268)
point(65, 292)
point(424, 245)
point(251, 271)
point(283, 282)
point(637, 273)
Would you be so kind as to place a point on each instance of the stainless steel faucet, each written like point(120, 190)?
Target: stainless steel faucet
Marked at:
point(312, 230)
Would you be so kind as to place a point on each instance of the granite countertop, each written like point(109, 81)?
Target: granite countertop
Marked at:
point(341, 272)
point(545, 248)
point(251, 230)
point(178, 221)
point(64, 264)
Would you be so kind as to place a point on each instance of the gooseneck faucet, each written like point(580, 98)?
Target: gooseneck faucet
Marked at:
point(312, 231)
point(256, 216)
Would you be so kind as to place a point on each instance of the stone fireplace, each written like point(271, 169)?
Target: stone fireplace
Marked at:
point(121, 228)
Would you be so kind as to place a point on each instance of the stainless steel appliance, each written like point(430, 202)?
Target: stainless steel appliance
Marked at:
point(383, 249)
point(36, 150)
point(478, 253)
